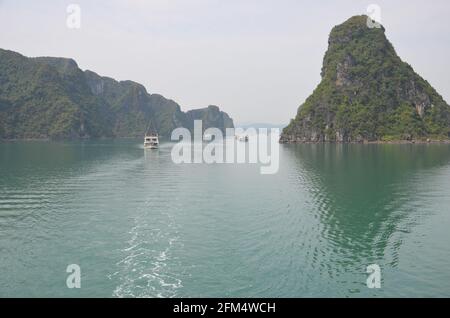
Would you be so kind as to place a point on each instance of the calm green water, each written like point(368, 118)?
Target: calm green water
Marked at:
point(141, 226)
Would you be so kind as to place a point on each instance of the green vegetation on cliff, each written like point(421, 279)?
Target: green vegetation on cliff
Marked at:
point(50, 97)
point(368, 93)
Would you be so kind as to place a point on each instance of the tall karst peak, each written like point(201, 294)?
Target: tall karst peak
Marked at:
point(367, 93)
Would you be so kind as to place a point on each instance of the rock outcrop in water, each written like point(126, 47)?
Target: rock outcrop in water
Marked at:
point(49, 97)
point(367, 93)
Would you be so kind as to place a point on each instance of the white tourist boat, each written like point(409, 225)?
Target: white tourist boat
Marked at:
point(243, 138)
point(151, 141)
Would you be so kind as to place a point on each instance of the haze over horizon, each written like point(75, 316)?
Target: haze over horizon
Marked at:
point(257, 60)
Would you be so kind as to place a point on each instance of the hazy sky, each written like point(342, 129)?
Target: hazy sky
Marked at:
point(256, 59)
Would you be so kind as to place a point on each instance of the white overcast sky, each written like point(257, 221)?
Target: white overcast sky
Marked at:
point(256, 59)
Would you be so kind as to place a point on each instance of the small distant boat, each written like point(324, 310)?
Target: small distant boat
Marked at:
point(243, 138)
point(151, 141)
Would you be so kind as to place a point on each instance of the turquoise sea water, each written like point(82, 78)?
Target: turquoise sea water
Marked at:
point(140, 226)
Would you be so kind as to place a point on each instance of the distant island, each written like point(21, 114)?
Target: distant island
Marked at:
point(368, 94)
point(52, 98)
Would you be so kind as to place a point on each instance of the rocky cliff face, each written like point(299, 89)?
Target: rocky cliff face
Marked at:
point(50, 97)
point(367, 93)
point(134, 109)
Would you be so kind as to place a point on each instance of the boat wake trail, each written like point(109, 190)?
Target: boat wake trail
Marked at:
point(148, 267)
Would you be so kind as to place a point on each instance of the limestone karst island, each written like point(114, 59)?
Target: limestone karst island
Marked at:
point(367, 93)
